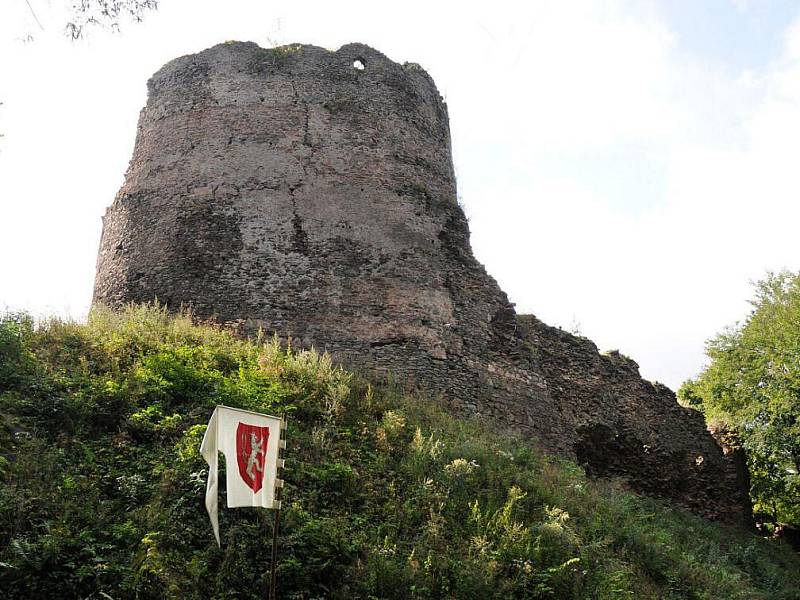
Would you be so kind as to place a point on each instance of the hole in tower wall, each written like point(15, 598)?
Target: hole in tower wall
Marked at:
point(359, 64)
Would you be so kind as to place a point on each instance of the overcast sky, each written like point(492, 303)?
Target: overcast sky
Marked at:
point(627, 167)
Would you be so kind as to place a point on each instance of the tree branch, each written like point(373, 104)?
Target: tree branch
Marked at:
point(35, 18)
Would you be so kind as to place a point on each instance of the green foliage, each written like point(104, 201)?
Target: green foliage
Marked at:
point(752, 385)
point(102, 486)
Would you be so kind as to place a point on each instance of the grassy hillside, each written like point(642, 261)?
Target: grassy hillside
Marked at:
point(102, 486)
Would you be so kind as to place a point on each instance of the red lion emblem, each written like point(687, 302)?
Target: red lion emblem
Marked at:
point(251, 454)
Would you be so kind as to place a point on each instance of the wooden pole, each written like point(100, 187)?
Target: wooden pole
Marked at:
point(272, 569)
point(275, 523)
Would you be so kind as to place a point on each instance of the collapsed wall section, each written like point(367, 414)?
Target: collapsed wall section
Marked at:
point(631, 428)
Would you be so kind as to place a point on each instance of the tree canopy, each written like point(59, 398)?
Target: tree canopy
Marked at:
point(752, 385)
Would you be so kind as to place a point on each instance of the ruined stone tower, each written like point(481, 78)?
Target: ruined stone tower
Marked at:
point(311, 194)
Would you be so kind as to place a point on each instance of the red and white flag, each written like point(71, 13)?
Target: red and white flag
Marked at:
point(251, 443)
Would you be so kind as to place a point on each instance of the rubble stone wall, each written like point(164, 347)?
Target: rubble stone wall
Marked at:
point(630, 428)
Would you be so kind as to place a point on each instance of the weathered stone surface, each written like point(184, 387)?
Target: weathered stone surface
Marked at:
point(630, 428)
point(288, 190)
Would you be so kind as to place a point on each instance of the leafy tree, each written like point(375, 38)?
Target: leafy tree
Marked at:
point(753, 385)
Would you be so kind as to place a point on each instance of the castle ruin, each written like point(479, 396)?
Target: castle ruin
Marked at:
point(311, 194)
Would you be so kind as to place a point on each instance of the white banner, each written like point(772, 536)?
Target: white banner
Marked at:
point(251, 444)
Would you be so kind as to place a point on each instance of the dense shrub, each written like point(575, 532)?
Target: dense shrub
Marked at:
point(102, 486)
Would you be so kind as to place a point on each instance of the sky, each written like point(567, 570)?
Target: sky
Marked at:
point(627, 168)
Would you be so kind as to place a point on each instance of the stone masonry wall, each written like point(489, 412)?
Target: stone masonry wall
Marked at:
point(628, 427)
point(289, 190)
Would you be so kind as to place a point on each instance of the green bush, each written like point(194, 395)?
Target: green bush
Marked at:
point(102, 486)
point(751, 388)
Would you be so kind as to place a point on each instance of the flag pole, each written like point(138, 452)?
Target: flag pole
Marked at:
point(277, 505)
point(272, 570)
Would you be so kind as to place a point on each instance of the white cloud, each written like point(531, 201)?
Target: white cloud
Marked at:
point(660, 283)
